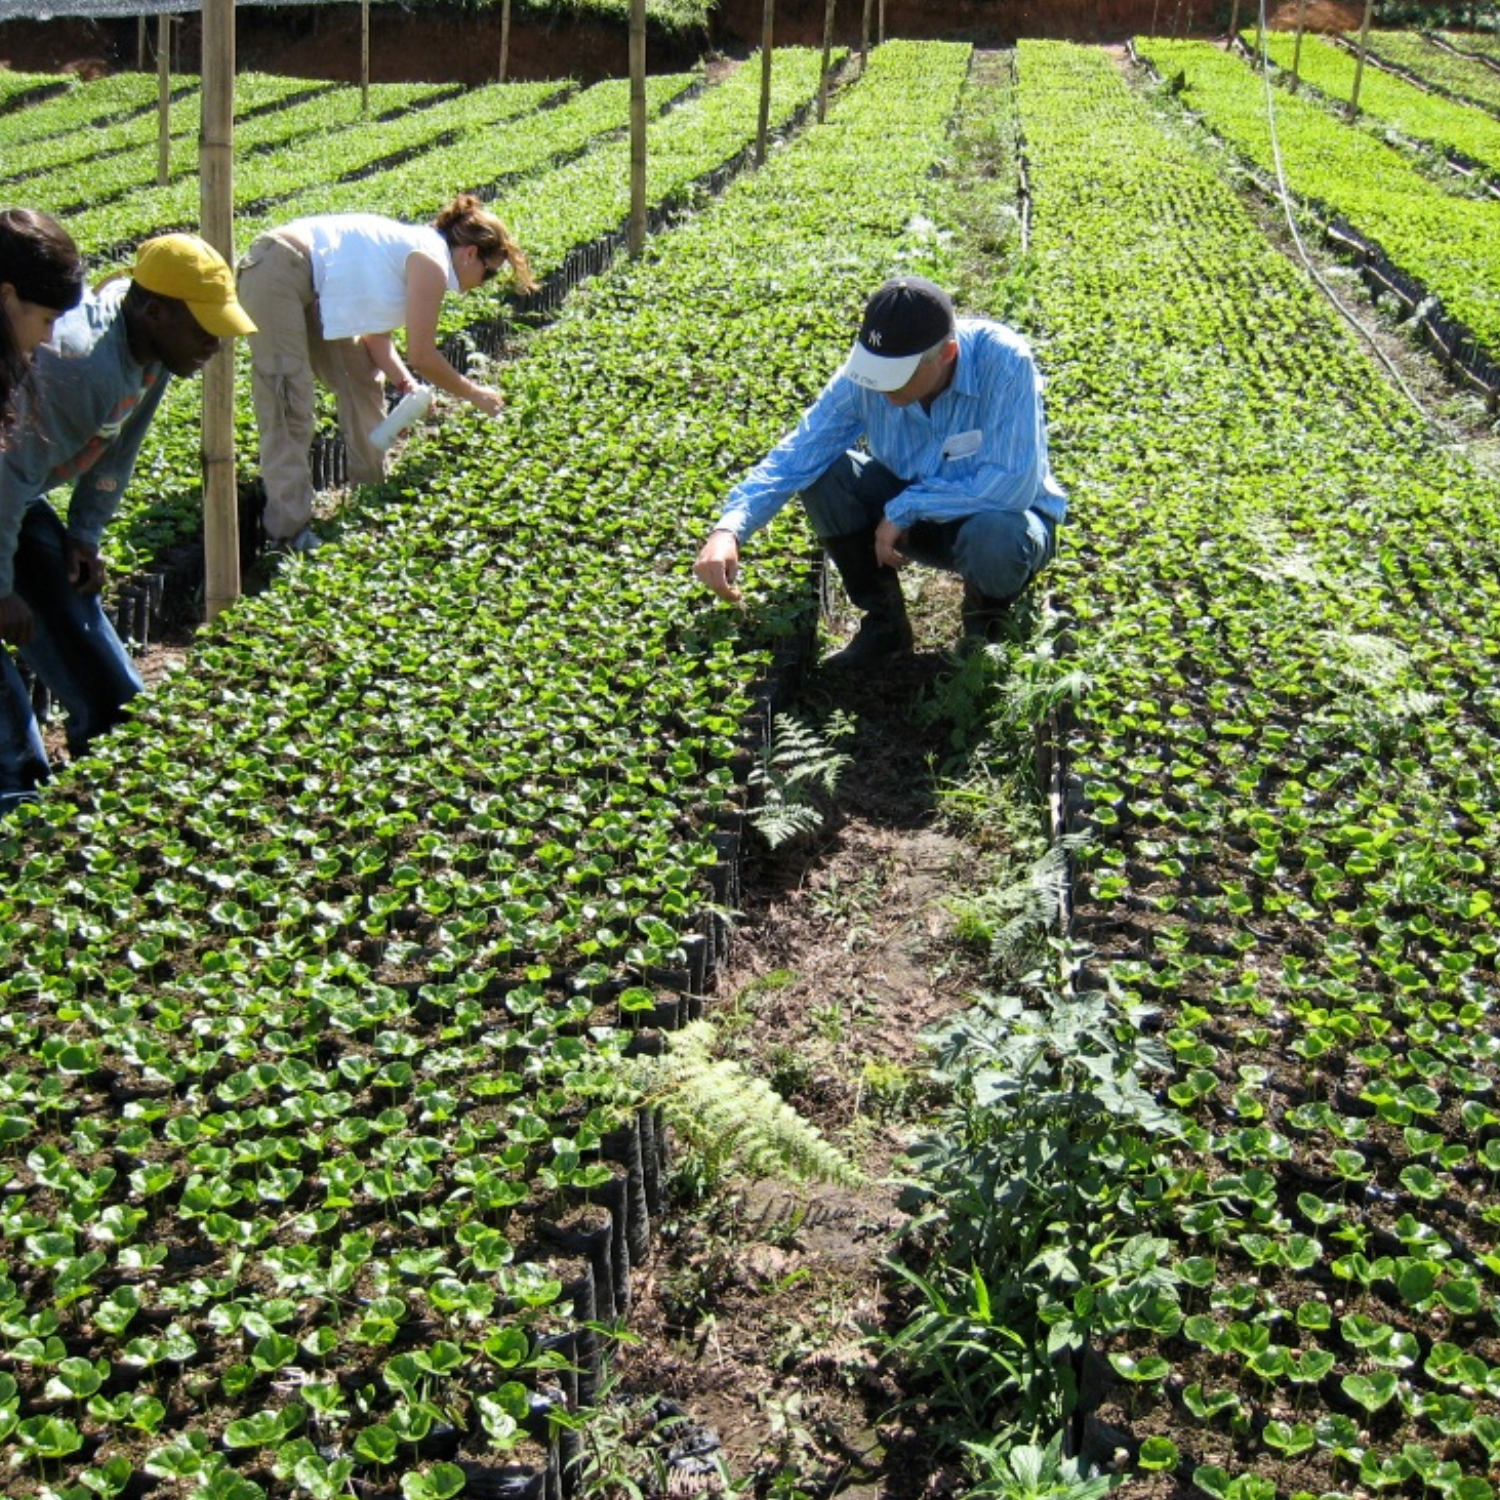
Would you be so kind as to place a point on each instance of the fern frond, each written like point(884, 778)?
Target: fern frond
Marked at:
point(797, 762)
point(800, 756)
point(1015, 912)
point(1383, 694)
point(777, 822)
point(728, 1114)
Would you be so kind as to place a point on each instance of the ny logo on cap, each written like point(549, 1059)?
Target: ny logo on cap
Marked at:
point(875, 337)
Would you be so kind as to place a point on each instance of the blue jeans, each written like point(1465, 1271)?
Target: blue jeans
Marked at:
point(23, 757)
point(997, 551)
point(73, 647)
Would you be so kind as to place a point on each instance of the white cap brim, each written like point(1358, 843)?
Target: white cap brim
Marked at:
point(877, 373)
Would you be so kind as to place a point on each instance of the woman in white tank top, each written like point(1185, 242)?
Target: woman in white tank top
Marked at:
point(326, 294)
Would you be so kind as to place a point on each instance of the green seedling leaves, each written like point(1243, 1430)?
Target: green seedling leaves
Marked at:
point(1159, 1453)
point(1370, 1391)
point(47, 1438)
point(265, 1429)
point(1146, 1370)
point(441, 1482)
point(1291, 1440)
point(377, 1445)
point(1206, 1405)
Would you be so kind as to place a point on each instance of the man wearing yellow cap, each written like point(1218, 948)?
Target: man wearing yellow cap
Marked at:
point(95, 387)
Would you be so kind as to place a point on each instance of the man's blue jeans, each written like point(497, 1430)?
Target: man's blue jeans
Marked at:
point(998, 552)
point(73, 649)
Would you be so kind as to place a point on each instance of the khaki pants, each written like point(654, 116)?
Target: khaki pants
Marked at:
point(288, 351)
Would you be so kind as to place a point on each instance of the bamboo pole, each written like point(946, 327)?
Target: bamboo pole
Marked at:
point(163, 98)
point(221, 521)
point(364, 59)
point(827, 54)
point(864, 37)
point(880, 26)
point(1297, 46)
point(140, 44)
point(636, 230)
point(1234, 22)
point(504, 38)
point(1359, 61)
point(763, 121)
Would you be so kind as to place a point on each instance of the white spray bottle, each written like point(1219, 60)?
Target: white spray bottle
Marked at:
point(412, 405)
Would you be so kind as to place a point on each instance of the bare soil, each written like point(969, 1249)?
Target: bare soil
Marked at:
point(1318, 15)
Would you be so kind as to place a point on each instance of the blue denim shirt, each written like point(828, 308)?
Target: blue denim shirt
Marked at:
point(82, 423)
point(983, 446)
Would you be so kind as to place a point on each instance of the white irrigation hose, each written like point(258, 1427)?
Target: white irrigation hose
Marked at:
point(1291, 223)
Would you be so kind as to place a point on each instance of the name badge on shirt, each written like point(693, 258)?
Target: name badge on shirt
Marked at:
point(963, 444)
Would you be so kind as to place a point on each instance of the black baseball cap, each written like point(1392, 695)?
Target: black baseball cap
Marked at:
point(903, 320)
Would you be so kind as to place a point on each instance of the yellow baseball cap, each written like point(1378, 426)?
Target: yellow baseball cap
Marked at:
point(190, 270)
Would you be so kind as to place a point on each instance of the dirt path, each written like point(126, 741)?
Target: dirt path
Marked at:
point(756, 1309)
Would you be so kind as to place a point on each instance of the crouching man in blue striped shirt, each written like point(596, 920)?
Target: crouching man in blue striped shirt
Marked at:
point(954, 473)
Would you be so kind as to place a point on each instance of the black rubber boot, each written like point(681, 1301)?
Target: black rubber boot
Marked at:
point(984, 614)
point(885, 631)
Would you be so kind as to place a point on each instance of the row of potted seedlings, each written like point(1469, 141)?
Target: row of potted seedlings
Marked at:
point(1283, 764)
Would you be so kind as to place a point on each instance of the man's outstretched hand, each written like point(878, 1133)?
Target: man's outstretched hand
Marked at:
point(718, 565)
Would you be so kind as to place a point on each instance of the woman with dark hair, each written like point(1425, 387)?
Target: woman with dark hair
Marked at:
point(326, 293)
point(41, 278)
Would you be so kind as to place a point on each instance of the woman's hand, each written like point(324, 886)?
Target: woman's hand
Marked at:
point(425, 285)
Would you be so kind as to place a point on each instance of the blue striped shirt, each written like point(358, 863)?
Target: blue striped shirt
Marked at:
point(983, 446)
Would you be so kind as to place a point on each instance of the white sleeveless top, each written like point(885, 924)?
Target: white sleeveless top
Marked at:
point(359, 268)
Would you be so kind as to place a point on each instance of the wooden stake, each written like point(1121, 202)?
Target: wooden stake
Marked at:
point(636, 230)
point(140, 44)
point(221, 522)
point(1234, 21)
point(504, 38)
point(163, 98)
point(1359, 61)
point(864, 37)
point(880, 28)
point(364, 58)
point(763, 122)
point(827, 53)
point(1297, 45)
